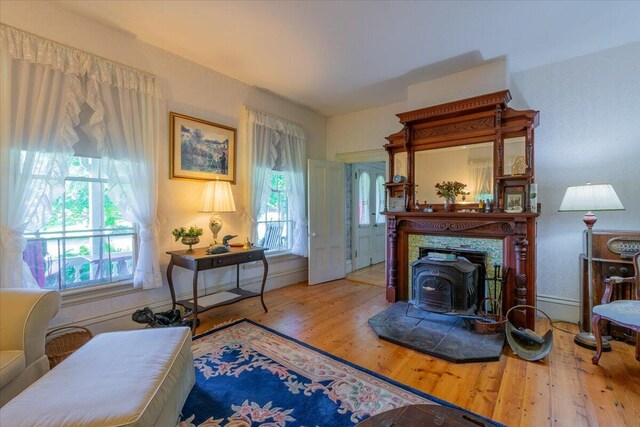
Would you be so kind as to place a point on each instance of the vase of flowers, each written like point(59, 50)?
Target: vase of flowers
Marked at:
point(449, 191)
point(188, 237)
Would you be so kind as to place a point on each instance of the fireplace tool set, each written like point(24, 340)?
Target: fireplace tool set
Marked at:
point(491, 320)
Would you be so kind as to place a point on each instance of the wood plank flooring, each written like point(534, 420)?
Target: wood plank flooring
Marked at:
point(564, 389)
point(372, 275)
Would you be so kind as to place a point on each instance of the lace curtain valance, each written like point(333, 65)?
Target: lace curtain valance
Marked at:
point(275, 123)
point(29, 47)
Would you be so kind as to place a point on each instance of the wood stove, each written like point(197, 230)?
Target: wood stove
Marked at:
point(445, 286)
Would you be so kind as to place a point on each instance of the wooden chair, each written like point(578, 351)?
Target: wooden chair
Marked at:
point(272, 237)
point(622, 312)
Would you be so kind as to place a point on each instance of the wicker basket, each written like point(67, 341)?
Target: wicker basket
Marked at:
point(489, 327)
point(61, 342)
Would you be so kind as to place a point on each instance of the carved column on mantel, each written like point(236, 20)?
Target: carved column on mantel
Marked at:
point(520, 291)
point(392, 267)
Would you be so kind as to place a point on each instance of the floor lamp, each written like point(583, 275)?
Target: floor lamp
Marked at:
point(589, 198)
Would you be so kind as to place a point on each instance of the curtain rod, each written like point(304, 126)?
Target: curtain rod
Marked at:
point(79, 50)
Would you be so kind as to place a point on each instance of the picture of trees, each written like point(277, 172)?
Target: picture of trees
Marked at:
point(201, 150)
point(204, 151)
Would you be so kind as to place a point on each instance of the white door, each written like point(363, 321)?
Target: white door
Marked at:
point(369, 225)
point(326, 204)
point(380, 223)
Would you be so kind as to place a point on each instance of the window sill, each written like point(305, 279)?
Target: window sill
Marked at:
point(276, 254)
point(95, 293)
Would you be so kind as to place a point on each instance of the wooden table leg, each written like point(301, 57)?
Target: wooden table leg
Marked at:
point(170, 281)
point(264, 281)
point(195, 302)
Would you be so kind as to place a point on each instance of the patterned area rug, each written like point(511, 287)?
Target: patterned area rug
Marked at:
point(250, 375)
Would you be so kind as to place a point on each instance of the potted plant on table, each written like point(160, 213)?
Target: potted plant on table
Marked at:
point(189, 237)
point(449, 190)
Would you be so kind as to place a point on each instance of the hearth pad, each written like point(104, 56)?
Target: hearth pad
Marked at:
point(446, 337)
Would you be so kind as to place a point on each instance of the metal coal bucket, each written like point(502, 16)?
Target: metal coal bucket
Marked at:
point(528, 349)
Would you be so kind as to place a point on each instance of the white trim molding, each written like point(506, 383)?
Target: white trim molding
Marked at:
point(121, 319)
point(365, 156)
point(558, 308)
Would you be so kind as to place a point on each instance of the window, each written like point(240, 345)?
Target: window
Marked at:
point(380, 203)
point(274, 223)
point(363, 199)
point(86, 242)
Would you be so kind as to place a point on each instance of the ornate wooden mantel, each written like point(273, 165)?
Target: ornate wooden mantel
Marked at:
point(517, 232)
point(481, 119)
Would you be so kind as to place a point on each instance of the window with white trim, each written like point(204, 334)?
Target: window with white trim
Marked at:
point(274, 223)
point(86, 242)
point(380, 199)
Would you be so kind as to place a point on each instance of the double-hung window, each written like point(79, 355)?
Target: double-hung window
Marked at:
point(86, 242)
point(274, 223)
point(276, 175)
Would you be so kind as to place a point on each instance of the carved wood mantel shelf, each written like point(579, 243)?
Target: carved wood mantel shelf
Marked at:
point(517, 232)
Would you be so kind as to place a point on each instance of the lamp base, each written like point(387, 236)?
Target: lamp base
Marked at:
point(588, 340)
point(215, 225)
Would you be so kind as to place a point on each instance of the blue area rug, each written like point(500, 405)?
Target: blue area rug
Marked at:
point(250, 375)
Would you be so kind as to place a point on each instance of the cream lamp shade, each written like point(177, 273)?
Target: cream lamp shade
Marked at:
point(216, 198)
point(590, 197)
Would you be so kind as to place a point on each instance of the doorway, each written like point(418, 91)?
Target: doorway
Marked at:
point(368, 225)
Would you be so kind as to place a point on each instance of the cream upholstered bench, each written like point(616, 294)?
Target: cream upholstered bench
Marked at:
point(132, 378)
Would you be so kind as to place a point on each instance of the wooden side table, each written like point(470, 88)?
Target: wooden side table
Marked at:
point(198, 260)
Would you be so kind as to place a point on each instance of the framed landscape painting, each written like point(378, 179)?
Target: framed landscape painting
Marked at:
point(201, 150)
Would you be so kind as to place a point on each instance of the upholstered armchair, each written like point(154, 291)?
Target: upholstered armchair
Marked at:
point(622, 312)
point(24, 317)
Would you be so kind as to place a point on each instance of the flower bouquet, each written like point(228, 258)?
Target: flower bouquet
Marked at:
point(449, 190)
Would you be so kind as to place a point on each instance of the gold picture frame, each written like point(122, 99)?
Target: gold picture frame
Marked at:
point(201, 150)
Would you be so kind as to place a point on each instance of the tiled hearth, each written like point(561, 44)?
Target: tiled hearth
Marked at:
point(448, 337)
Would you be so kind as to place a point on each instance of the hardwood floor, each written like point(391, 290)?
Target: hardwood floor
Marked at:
point(372, 275)
point(565, 389)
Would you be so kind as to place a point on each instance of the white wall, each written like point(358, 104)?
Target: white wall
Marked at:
point(589, 113)
point(589, 132)
point(475, 81)
point(190, 89)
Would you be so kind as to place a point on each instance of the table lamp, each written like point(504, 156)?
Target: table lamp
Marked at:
point(589, 198)
point(217, 198)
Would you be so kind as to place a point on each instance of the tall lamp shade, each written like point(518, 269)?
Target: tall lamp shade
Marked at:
point(217, 198)
point(589, 198)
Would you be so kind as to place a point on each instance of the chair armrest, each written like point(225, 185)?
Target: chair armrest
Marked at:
point(609, 282)
point(24, 318)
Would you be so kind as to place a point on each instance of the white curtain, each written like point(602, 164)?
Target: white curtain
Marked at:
point(294, 164)
point(260, 161)
point(40, 94)
point(269, 139)
point(129, 141)
point(42, 87)
point(481, 175)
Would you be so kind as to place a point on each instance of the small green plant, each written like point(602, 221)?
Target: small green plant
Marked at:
point(183, 232)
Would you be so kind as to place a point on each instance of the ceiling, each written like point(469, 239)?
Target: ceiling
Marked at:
point(340, 56)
